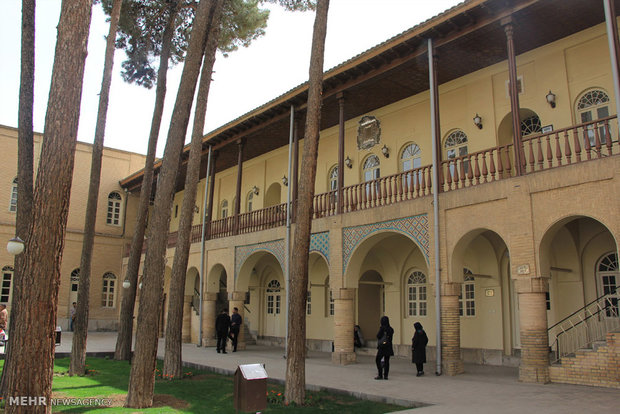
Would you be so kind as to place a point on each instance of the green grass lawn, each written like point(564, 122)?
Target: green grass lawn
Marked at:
point(198, 392)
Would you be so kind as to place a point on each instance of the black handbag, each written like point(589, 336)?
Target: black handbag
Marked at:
point(384, 341)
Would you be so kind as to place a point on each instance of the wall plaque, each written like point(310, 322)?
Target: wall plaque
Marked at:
point(368, 132)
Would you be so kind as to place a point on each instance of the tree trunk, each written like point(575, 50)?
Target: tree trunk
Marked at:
point(33, 334)
point(142, 378)
point(125, 329)
point(24, 165)
point(296, 342)
point(78, 349)
point(172, 356)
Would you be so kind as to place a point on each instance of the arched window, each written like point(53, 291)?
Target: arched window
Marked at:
point(416, 294)
point(333, 178)
point(13, 200)
point(109, 285)
point(608, 274)
point(75, 279)
point(371, 168)
point(5, 289)
point(224, 209)
point(273, 297)
point(531, 125)
point(411, 157)
point(114, 209)
point(468, 295)
point(593, 105)
point(249, 201)
point(456, 146)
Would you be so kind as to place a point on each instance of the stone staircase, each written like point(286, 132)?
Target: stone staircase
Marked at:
point(598, 366)
point(247, 336)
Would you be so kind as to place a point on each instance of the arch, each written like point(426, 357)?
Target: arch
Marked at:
point(530, 124)
point(249, 201)
point(410, 157)
point(108, 293)
point(569, 253)
point(224, 212)
point(479, 262)
point(254, 265)
point(371, 168)
point(13, 197)
point(273, 195)
point(332, 178)
point(214, 275)
point(113, 216)
point(590, 105)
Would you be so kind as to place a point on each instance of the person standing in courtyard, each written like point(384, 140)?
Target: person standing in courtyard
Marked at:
point(384, 348)
point(4, 317)
point(418, 348)
point(72, 312)
point(222, 325)
point(235, 327)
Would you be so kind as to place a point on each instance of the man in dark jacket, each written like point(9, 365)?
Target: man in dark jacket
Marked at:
point(235, 326)
point(222, 324)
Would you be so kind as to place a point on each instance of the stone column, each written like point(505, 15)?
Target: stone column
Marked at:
point(186, 331)
point(208, 320)
point(533, 329)
point(452, 364)
point(236, 300)
point(344, 321)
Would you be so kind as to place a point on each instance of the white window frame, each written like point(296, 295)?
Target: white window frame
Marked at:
point(115, 206)
point(108, 290)
point(7, 280)
point(224, 209)
point(13, 199)
point(592, 102)
point(417, 294)
point(273, 297)
point(467, 298)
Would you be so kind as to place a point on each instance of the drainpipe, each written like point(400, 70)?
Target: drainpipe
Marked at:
point(287, 245)
point(612, 38)
point(432, 80)
point(202, 245)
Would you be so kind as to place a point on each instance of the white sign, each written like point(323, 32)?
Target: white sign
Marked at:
point(253, 371)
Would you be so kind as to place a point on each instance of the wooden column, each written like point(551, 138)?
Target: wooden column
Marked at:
point(238, 192)
point(295, 178)
point(514, 93)
point(211, 173)
point(340, 198)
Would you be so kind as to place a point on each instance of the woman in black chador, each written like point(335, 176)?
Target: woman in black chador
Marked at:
point(418, 348)
point(384, 348)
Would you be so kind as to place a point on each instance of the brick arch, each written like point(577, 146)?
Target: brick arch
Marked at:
point(456, 259)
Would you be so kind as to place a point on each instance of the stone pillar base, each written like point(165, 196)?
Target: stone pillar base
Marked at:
point(343, 358)
point(452, 368)
point(534, 374)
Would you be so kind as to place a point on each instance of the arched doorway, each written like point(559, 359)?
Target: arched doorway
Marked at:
point(222, 292)
point(379, 267)
point(370, 302)
point(488, 309)
point(273, 195)
point(320, 303)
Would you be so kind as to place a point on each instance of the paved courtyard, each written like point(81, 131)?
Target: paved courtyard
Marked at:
point(482, 389)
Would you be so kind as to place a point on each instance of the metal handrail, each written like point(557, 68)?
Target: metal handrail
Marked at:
point(595, 320)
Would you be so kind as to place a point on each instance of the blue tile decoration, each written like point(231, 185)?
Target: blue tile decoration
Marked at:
point(319, 242)
point(275, 247)
point(414, 227)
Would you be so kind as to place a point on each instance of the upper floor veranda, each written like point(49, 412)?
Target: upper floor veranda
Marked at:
point(375, 146)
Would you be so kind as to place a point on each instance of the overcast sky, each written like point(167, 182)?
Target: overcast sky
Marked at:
point(246, 79)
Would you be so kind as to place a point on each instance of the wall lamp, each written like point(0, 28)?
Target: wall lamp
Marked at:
point(255, 190)
point(348, 162)
point(126, 284)
point(285, 180)
point(385, 151)
point(15, 246)
point(478, 121)
point(551, 98)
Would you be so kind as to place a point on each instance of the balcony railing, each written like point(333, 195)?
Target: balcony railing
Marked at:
point(583, 142)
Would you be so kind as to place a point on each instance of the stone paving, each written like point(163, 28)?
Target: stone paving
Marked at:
point(482, 389)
